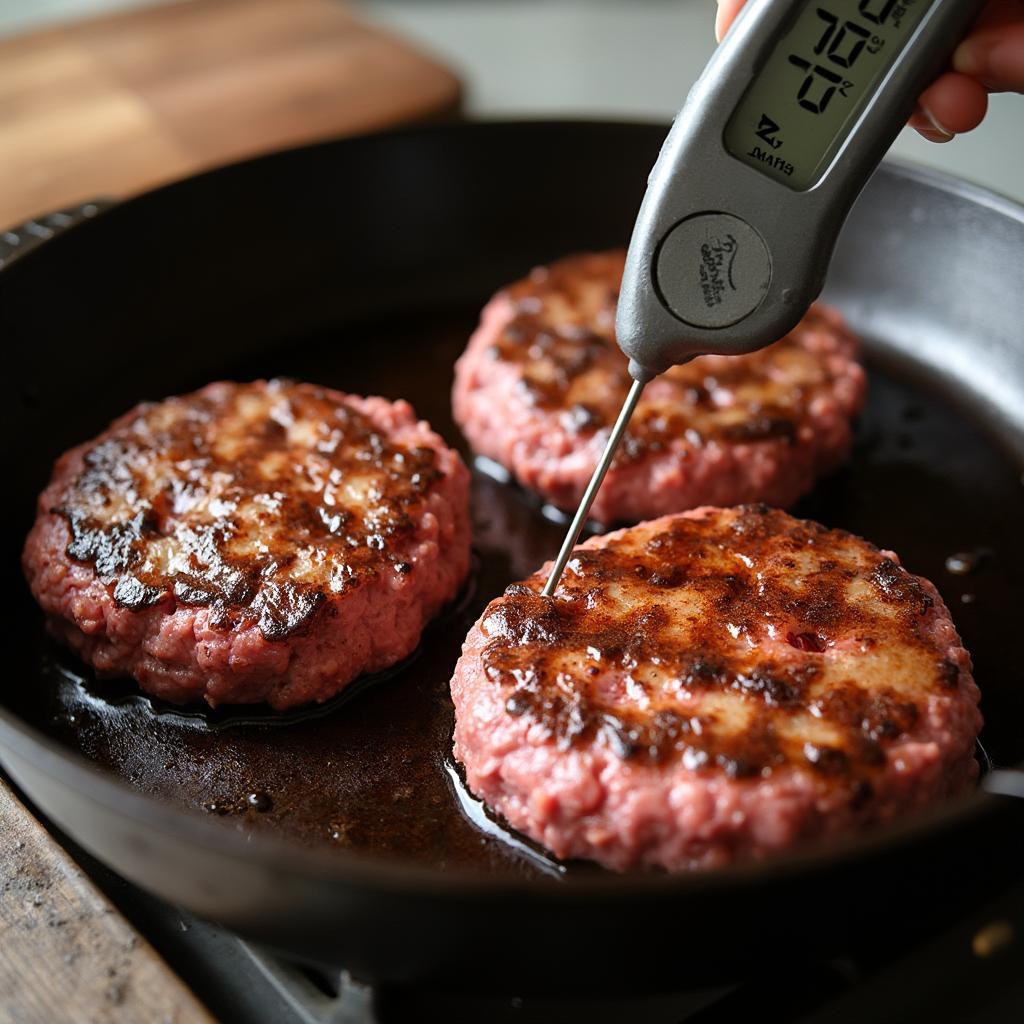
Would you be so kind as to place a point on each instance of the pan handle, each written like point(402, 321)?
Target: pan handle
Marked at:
point(18, 240)
point(1005, 782)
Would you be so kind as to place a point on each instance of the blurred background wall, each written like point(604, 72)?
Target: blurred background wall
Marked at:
point(631, 59)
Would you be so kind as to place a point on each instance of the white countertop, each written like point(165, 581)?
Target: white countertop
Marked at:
point(626, 59)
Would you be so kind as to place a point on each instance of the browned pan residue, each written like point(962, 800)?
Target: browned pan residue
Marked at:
point(370, 773)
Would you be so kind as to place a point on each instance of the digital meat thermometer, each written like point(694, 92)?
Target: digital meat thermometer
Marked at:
point(776, 139)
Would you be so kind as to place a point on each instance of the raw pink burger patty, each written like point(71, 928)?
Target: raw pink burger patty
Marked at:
point(715, 685)
point(253, 542)
point(542, 381)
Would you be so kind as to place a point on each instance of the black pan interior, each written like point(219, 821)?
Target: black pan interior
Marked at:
point(373, 772)
point(363, 266)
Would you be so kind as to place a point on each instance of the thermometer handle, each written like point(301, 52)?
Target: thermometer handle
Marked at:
point(727, 254)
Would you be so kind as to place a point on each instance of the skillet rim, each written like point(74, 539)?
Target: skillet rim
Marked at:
point(74, 771)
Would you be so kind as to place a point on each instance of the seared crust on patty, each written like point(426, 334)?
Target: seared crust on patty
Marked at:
point(542, 381)
point(721, 683)
point(219, 544)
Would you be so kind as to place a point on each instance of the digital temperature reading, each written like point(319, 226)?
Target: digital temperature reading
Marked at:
point(807, 96)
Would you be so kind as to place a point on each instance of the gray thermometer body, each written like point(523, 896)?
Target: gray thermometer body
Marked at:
point(775, 141)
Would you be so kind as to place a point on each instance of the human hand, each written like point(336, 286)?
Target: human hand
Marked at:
point(990, 59)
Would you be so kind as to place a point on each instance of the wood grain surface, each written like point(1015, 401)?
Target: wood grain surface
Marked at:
point(118, 104)
point(66, 955)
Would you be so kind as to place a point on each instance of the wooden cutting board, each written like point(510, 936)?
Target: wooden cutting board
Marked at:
point(118, 104)
point(66, 955)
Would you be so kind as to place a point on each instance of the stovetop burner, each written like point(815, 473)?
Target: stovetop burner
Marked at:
point(973, 970)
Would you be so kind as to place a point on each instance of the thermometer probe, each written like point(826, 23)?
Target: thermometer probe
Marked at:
point(778, 136)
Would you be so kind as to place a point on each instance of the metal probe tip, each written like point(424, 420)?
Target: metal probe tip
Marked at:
point(576, 526)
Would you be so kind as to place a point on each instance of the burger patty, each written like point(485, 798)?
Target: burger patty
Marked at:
point(542, 381)
point(252, 542)
point(714, 685)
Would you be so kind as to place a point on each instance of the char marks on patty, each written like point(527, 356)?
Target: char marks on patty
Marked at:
point(258, 500)
point(247, 543)
point(746, 641)
point(542, 381)
point(562, 336)
point(714, 685)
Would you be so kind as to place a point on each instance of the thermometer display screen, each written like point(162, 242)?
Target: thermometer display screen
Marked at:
point(806, 98)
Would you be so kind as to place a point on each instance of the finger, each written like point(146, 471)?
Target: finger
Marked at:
point(995, 57)
point(928, 128)
point(998, 13)
point(727, 11)
point(952, 104)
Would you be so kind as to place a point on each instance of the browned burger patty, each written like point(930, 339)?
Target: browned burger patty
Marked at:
point(718, 684)
point(542, 382)
point(251, 542)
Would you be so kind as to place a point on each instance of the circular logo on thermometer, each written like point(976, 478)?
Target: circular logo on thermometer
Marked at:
point(712, 270)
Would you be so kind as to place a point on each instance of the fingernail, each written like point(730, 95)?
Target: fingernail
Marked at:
point(1004, 64)
point(934, 131)
point(993, 62)
point(971, 57)
point(719, 20)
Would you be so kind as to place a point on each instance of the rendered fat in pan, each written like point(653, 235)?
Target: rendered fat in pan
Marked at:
point(286, 269)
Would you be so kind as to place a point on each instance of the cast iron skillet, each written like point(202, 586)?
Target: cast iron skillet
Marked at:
point(362, 265)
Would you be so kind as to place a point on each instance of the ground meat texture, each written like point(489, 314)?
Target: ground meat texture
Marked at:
point(542, 381)
point(253, 542)
point(715, 685)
